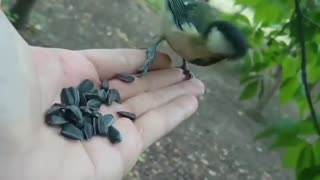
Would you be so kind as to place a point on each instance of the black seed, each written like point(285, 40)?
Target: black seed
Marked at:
point(71, 131)
point(113, 96)
point(126, 77)
point(88, 131)
point(117, 96)
point(105, 85)
point(110, 98)
point(83, 100)
point(86, 110)
point(90, 96)
point(128, 115)
point(56, 108)
point(88, 86)
point(103, 95)
point(94, 104)
point(94, 125)
point(56, 120)
point(87, 118)
point(73, 114)
point(101, 127)
point(70, 96)
point(114, 135)
point(108, 119)
point(96, 114)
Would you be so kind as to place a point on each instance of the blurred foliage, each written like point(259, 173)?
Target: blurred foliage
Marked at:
point(155, 5)
point(6, 8)
point(274, 38)
point(275, 45)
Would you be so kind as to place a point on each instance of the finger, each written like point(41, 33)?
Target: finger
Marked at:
point(110, 62)
point(154, 80)
point(150, 100)
point(131, 145)
point(160, 121)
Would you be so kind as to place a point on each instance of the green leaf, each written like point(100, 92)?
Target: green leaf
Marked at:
point(306, 127)
point(284, 127)
point(317, 150)
point(250, 90)
point(290, 67)
point(248, 2)
point(289, 89)
point(286, 141)
point(291, 157)
point(314, 73)
point(306, 158)
point(311, 173)
point(249, 77)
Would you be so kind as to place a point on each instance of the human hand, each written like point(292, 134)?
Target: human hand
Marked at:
point(161, 100)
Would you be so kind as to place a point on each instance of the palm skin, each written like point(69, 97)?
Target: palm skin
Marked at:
point(31, 150)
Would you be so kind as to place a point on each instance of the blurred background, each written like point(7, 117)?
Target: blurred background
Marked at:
point(242, 98)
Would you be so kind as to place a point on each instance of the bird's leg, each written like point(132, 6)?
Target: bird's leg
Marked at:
point(186, 70)
point(151, 56)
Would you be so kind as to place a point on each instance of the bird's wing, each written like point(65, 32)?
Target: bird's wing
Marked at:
point(192, 13)
point(181, 10)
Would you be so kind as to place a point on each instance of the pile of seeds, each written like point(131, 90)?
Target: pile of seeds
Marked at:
point(78, 114)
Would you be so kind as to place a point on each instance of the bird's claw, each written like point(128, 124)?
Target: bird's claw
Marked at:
point(151, 56)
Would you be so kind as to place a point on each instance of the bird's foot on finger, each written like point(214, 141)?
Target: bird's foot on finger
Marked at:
point(188, 74)
point(151, 56)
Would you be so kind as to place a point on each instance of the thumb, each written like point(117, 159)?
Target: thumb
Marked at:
point(19, 92)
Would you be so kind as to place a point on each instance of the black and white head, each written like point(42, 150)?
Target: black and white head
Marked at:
point(226, 39)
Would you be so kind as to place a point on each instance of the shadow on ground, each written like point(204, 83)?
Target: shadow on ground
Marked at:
point(216, 143)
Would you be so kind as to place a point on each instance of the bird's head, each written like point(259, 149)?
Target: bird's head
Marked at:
point(225, 39)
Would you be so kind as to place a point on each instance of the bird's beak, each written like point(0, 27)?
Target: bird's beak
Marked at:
point(207, 61)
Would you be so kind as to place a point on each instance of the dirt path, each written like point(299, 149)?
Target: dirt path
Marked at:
point(216, 143)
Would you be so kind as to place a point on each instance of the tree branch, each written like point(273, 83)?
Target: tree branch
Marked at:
point(311, 21)
point(301, 35)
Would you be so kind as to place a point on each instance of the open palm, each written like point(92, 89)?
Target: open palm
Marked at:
point(32, 150)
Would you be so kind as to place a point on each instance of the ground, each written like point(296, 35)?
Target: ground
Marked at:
point(216, 143)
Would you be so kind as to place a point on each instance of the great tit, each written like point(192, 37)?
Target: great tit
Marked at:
point(196, 32)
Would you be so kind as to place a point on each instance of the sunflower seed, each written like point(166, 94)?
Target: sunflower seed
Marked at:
point(83, 100)
point(94, 125)
point(71, 131)
point(90, 96)
point(88, 86)
point(108, 119)
point(96, 114)
point(56, 108)
point(128, 115)
point(86, 110)
point(126, 77)
point(94, 104)
point(117, 96)
point(103, 95)
point(105, 85)
point(73, 114)
point(70, 96)
point(113, 96)
point(88, 131)
point(114, 135)
point(87, 118)
point(56, 120)
point(101, 127)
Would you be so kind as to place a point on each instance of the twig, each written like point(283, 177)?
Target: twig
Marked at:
point(311, 21)
point(301, 35)
point(284, 27)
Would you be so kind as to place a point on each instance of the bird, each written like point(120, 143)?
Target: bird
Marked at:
point(198, 34)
